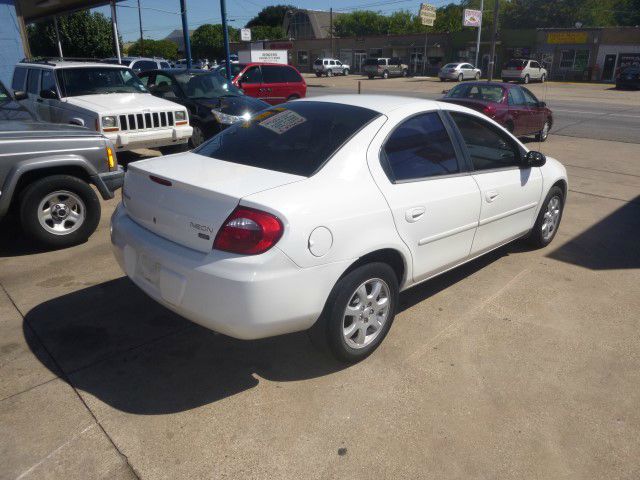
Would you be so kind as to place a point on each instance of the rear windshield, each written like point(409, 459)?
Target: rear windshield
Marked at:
point(487, 93)
point(451, 65)
point(515, 63)
point(295, 138)
point(318, 62)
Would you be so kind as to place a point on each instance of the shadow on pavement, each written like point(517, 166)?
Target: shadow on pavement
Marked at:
point(13, 241)
point(612, 243)
point(117, 344)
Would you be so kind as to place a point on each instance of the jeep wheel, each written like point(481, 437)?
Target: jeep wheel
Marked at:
point(318, 74)
point(59, 211)
point(385, 74)
point(329, 73)
point(197, 138)
point(345, 72)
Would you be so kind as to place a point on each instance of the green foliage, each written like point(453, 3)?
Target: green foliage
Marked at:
point(207, 41)
point(82, 34)
point(265, 32)
point(154, 48)
point(560, 13)
point(271, 16)
point(627, 12)
point(360, 23)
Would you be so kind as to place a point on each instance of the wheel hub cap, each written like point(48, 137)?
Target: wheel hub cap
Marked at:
point(366, 313)
point(551, 218)
point(61, 212)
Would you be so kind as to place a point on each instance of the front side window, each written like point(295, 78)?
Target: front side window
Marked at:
point(419, 148)
point(516, 97)
point(487, 147)
point(47, 82)
point(97, 80)
point(295, 139)
point(252, 75)
point(19, 76)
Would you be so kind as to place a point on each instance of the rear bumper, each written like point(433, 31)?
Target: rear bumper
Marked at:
point(512, 75)
point(245, 297)
point(448, 75)
point(150, 138)
point(108, 182)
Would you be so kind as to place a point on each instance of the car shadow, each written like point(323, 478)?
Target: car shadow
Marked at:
point(115, 343)
point(14, 242)
point(612, 243)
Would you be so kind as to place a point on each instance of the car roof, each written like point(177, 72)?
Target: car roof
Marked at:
point(497, 84)
point(268, 63)
point(178, 71)
point(54, 64)
point(379, 103)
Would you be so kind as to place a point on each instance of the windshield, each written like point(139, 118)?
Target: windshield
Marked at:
point(295, 138)
point(450, 65)
point(4, 95)
point(206, 85)
point(488, 93)
point(96, 80)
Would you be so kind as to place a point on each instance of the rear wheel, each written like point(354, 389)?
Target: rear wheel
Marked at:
point(460, 77)
point(329, 73)
point(59, 211)
point(543, 78)
point(548, 220)
point(370, 77)
point(385, 74)
point(318, 74)
point(345, 72)
point(526, 79)
point(359, 312)
point(477, 76)
point(405, 72)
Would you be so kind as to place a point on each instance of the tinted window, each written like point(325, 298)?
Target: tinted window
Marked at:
point(317, 62)
point(252, 75)
point(530, 98)
point(332, 62)
point(297, 139)
point(47, 82)
point(516, 97)
point(32, 81)
point(515, 63)
point(420, 148)
point(96, 80)
point(487, 147)
point(272, 74)
point(534, 65)
point(450, 65)
point(18, 79)
point(290, 75)
point(164, 65)
point(486, 92)
point(144, 65)
point(145, 79)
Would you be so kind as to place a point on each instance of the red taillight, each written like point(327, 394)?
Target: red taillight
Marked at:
point(489, 110)
point(249, 232)
point(519, 68)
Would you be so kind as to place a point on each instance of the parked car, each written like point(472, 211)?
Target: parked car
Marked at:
point(628, 78)
point(236, 68)
point(139, 64)
point(10, 108)
point(46, 173)
point(272, 82)
point(523, 71)
point(195, 64)
point(316, 213)
point(213, 102)
point(384, 68)
point(109, 99)
point(330, 67)
point(459, 72)
point(512, 106)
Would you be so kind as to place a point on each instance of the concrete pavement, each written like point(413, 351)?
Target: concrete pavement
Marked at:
point(522, 364)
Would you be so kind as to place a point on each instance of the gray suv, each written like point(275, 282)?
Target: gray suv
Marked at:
point(46, 173)
point(385, 68)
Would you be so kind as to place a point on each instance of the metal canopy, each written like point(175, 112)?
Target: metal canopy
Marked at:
point(33, 10)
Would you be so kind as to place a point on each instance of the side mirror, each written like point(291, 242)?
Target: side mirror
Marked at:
point(541, 104)
point(20, 95)
point(534, 159)
point(49, 94)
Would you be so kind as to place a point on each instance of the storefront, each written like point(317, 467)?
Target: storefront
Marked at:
point(619, 48)
point(568, 55)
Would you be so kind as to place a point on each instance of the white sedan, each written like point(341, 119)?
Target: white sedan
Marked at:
point(316, 213)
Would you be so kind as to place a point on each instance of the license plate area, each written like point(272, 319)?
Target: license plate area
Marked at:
point(149, 269)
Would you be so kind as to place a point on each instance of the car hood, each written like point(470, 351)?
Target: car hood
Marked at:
point(234, 105)
point(35, 129)
point(122, 102)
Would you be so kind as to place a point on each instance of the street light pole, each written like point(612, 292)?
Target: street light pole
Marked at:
point(185, 32)
point(140, 22)
point(479, 31)
point(494, 32)
point(225, 38)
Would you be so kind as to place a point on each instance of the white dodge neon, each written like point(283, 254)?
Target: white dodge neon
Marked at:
point(316, 213)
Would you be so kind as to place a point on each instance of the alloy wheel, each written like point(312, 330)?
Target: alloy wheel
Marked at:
point(61, 212)
point(366, 313)
point(551, 218)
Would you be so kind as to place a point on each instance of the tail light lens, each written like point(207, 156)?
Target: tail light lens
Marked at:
point(248, 231)
point(489, 110)
point(520, 68)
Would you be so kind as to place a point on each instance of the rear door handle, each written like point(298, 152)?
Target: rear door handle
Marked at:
point(491, 195)
point(414, 214)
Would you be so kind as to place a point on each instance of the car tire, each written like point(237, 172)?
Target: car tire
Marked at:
point(329, 73)
point(504, 80)
point(405, 72)
point(74, 211)
point(370, 77)
point(385, 74)
point(443, 80)
point(171, 149)
point(293, 97)
point(525, 80)
point(460, 77)
point(318, 74)
point(332, 329)
point(345, 72)
point(477, 77)
point(543, 134)
point(197, 137)
point(543, 78)
point(549, 217)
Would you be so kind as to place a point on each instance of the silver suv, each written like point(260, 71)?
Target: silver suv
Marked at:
point(330, 67)
point(524, 71)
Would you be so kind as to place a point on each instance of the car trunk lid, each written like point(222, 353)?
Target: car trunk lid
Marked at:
point(187, 197)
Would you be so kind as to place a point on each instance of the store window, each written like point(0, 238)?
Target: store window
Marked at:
point(303, 57)
point(375, 52)
point(576, 60)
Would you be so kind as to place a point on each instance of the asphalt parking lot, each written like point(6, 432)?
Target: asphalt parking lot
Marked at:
point(522, 364)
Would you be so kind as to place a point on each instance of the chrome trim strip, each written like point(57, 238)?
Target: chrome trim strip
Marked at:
point(509, 213)
point(449, 233)
point(50, 151)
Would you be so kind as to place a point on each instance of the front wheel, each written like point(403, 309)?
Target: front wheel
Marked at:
point(548, 221)
point(385, 74)
point(543, 134)
point(460, 77)
point(197, 138)
point(543, 78)
point(318, 74)
point(329, 73)
point(359, 312)
point(526, 79)
point(345, 72)
point(477, 76)
point(59, 211)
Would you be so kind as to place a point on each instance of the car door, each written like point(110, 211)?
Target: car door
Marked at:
point(509, 191)
point(275, 82)
point(33, 91)
point(467, 71)
point(339, 67)
point(536, 114)
point(536, 69)
point(518, 111)
point(435, 203)
point(47, 108)
point(251, 82)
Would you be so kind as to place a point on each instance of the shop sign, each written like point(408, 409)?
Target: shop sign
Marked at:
point(628, 60)
point(427, 14)
point(567, 37)
point(472, 18)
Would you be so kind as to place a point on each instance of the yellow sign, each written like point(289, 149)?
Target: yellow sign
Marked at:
point(567, 37)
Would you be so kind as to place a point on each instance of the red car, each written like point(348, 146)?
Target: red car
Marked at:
point(272, 82)
point(512, 106)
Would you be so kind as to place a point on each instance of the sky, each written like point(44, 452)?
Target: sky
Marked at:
point(160, 17)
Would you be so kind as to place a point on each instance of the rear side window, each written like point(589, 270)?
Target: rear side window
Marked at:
point(32, 81)
point(47, 82)
point(19, 75)
point(515, 63)
point(419, 148)
point(290, 75)
point(272, 74)
point(144, 65)
point(317, 62)
point(297, 139)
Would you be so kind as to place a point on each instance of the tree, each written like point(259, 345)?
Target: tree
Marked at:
point(264, 32)
point(404, 21)
point(207, 41)
point(155, 48)
point(627, 12)
point(560, 13)
point(271, 16)
point(82, 34)
point(360, 23)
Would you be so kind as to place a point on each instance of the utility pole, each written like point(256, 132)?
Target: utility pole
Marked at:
point(185, 33)
point(331, 29)
point(141, 39)
point(225, 38)
point(494, 32)
point(58, 42)
point(479, 31)
point(114, 26)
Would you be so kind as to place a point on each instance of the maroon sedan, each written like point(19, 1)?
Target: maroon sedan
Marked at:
point(512, 106)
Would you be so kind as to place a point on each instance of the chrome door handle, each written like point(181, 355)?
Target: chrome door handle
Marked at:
point(491, 196)
point(414, 214)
